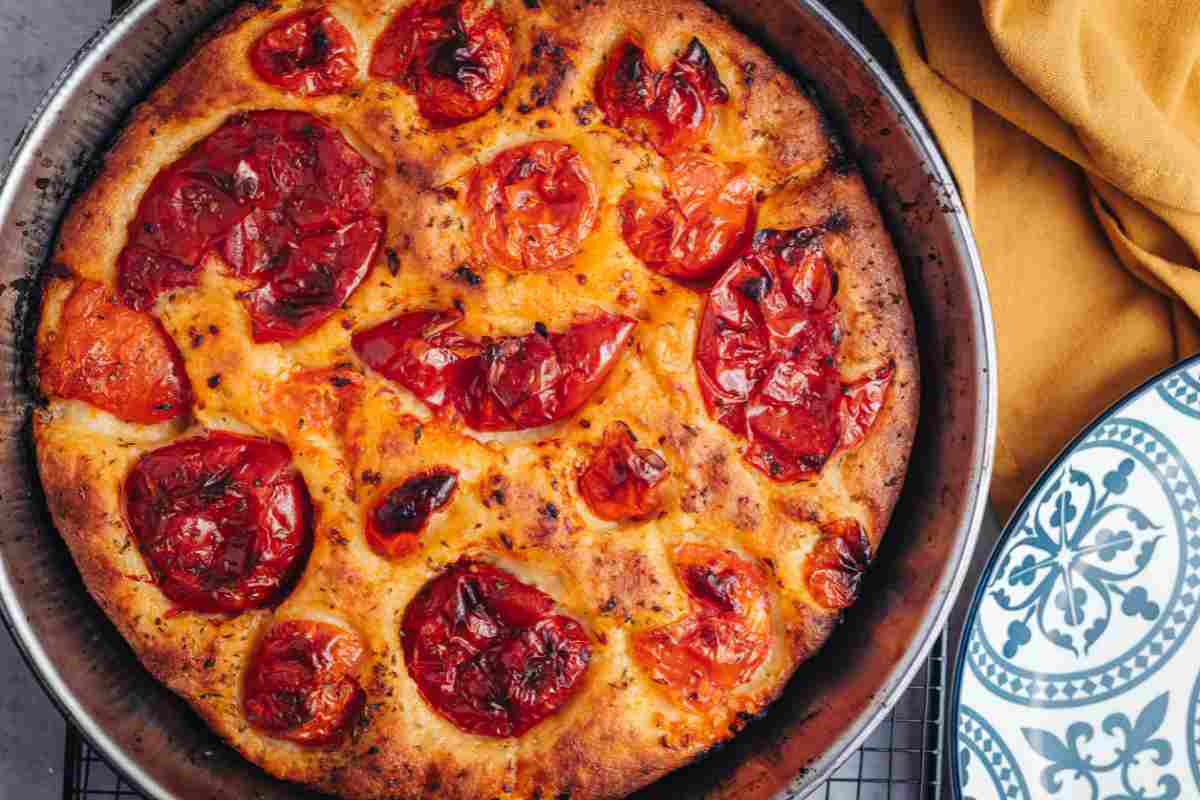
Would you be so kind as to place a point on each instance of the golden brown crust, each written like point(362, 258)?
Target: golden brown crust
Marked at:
point(620, 732)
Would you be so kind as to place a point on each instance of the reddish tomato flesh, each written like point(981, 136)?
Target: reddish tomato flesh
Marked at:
point(301, 685)
point(671, 108)
point(454, 56)
point(506, 384)
point(318, 277)
point(621, 478)
point(834, 567)
point(396, 521)
point(703, 222)
point(282, 197)
point(489, 653)
point(717, 646)
point(532, 206)
point(224, 521)
point(767, 357)
point(116, 359)
point(309, 53)
point(862, 401)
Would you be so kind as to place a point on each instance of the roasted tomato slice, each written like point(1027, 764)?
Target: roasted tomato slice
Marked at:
point(767, 357)
point(489, 653)
point(309, 53)
point(699, 227)
point(835, 565)
point(318, 277)
point(672, 108)
point(532, 206)
point(301, 684)
point(620, 480)
point(862, 401)
point(116, 359)
point(283, 197)
point(506, 384)
point(224, 521)
point(454, 55)
point(723, 639)
point(396, 521)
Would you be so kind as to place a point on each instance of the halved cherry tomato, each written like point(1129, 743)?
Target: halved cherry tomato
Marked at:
point(834, 567)
point(396, 521)
point(283, 197)
point(862, 401)
point(224, 521)
point(114, 358)
point(505, 384)
point(699, 227)
point(309, 53)
point(320, 274)
point(454, 55)
point(719, 644)
point(301, 684)
point(488, 651)
point(533, 205)
point(672, 109)
point(621, 478)
point(767, 356)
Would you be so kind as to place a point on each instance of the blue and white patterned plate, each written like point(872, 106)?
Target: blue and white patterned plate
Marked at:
point(1079, 673)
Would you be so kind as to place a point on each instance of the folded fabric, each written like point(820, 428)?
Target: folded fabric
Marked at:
point(1073, 129)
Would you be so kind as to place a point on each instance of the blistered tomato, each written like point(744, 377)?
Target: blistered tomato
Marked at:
point(454, 55)
point(489, 652)
point(301, 684)
point(671, 108)
point(115, 358)
point(504, 384)
point(224, 521)
point(532, 206)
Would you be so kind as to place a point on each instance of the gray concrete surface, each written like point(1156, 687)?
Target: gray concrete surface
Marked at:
point(37, 37)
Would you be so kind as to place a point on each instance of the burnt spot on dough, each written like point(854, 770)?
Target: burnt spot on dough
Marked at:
point(550, 64)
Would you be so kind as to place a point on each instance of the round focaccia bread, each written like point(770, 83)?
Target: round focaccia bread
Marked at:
point(459, 399)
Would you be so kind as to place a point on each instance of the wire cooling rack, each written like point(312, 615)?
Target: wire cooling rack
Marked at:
point(901, 760)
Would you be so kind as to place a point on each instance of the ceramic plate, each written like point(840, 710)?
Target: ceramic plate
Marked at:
point(1079, 672)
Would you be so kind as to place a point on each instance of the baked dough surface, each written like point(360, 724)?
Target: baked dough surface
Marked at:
point(620, 731)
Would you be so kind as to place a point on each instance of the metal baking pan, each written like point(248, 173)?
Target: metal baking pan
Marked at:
point(833, 702)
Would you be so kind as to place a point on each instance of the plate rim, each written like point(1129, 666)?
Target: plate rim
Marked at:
point(954, 704)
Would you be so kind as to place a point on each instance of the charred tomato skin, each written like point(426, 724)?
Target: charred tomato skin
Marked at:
point(489, 652)
point(224, 521)
point(717, 646)
point(454, 56)
point(768, 356)
point(834, 567)
point(301, 684)
point(282, 197)
point(504, 384)
point(308, 53)
point(532, 206)
point(115, 358)
point(620, 479)
point(704, 221)
point(673, 109)
point(398, 517)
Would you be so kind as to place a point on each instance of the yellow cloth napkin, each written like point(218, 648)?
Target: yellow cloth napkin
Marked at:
point(1073, 128)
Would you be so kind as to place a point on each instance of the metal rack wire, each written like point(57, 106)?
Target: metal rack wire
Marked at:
point(902, 759)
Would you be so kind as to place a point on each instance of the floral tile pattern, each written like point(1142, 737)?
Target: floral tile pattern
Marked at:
point(1079, 672)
